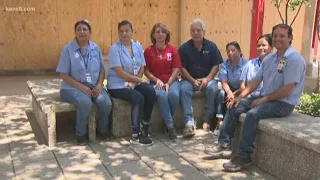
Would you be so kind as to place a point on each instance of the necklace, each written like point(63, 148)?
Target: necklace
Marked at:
point(160, 54)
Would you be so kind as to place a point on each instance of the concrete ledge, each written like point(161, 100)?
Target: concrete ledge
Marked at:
point(288, 148)
point(121, 116)
point(46, 102)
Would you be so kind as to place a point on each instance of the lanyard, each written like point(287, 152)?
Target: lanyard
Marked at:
point(85, 58)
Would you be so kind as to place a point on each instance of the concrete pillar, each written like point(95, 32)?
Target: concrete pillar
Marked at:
point(306, 47)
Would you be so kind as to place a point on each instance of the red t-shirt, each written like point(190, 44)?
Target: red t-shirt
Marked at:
point(162, 68)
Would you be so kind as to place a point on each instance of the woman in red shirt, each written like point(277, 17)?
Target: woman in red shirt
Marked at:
point(162, 67)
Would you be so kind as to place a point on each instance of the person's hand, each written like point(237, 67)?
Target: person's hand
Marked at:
point(96, 91)
point(159, 84)
point(86, 90)
point(230, 96)
point(196, 84)
point(166, 87)
point(248, 96)
point(204, 83)
point(131, 85)
point(236, 101)
point(258, 102)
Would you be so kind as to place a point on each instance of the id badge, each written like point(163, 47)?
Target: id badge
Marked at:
point(88, 77)
point(135, 70)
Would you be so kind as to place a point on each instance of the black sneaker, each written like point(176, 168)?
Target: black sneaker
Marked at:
point(134, 139)
point(237, 164)
point(141, 140)
point(145, 140)
point(82, 140)
point(172, 135)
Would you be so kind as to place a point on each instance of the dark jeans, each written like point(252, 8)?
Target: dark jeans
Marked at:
point(266, 110)
point(142, 99)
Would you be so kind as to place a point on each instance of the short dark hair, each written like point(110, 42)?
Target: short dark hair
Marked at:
point(235, 44)
point(123, 23)
point(284, 26)
point(83, 21)
point(267, 37)
point(164, 28)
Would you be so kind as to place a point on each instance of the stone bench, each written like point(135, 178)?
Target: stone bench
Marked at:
point(288, 148)
point(46, 102)
point(121, 116)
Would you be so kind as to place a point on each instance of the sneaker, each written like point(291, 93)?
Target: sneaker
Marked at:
point(217, 149)
point(145, 140)
point(218, 152)
point(206, 126)
point(237, 163)
point(216, 131)
point(134, 139)
point(189, 131)
point(172, 135)
point(82, 140)
point(141, 140)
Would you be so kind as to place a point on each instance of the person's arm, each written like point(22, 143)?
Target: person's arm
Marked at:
point(126, 76)
point(252, 86)
point(176, 66)
point(173, 76)
point(64, 69)
point(294, 71)
point(186, 75)
point(115, 63)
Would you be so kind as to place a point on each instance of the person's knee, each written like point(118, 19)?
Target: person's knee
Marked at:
point(252, 114)
point(162, 95)
point(85, 104)
point(138, 99)
point(104, 101)
point(173, 95)
point(186, 88)
point(213, 89)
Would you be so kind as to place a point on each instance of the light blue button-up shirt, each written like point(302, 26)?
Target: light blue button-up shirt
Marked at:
point(294, 71)
point(77, 66)
point(119, 56)
point(249, 72)
point(230, 74)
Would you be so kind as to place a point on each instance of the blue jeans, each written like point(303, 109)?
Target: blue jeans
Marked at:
point(84, 103)
point(221, 104)
point(266, 110)
point(168, 103)
point(142, 99)
point(187, 91)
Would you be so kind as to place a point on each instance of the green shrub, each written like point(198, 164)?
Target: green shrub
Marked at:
point(310, 104)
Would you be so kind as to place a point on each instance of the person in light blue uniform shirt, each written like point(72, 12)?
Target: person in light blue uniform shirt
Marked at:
point(229, 76)
point(125, 82)
point(249, 71)
point(264, 47)
point(283, 76)
point(82, 71)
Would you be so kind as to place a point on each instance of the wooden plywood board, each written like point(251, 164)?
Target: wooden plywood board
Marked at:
point(29, 38)
point(96, 11)
point(224, 20)
point(143, 15)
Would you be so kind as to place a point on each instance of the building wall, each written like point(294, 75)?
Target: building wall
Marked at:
point(34, 40)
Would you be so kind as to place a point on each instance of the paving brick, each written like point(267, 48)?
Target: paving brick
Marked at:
point(129, 169)
point(166, 163)
point(157, 149)
point(186, 174)
point(113, 152)
point(46, 169)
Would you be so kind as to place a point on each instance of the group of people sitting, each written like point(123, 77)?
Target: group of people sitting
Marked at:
point(264, 87)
